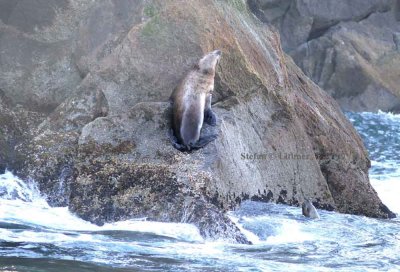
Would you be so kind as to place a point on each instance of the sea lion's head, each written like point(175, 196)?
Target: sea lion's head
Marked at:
point(207, 63)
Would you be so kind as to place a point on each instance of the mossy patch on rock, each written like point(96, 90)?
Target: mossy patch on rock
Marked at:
point(150, 10)
point(153, 26)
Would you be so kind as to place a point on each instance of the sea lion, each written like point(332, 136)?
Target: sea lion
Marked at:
point(309, 210)
point(191, 105)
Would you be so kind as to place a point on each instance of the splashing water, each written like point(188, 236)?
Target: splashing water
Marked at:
point(37, 237)
point(381, 135)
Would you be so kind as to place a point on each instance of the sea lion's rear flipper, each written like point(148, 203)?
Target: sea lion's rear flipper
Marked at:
point(174, 141)
point(179, 146)
point(203, 141)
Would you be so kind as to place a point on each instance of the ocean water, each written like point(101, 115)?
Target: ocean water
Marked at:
point(36, 237)
point(381, 135)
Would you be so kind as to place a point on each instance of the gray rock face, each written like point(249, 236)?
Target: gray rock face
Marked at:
point(104, 149)
point(347, 47)
point(302, 20)
point(17, 125)
point(45, 45)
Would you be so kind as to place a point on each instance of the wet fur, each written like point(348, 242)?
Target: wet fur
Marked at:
point(309, 210)
point(192, 105)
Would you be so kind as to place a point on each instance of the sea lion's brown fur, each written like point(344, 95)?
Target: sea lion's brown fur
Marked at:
point(192, 104)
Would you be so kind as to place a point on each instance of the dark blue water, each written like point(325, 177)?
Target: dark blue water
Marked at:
point(36, 237)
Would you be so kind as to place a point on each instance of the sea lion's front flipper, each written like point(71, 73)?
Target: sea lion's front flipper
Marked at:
point(209, 116)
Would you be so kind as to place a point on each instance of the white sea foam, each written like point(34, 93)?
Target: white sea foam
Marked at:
point(249, 235)
point(384, 115)
point(381, 134)
point(182, 231)
point(289, 232)
point(21, 203)
point(387, 185)
point(388, 191)
point(33, 236)
point(12, 187)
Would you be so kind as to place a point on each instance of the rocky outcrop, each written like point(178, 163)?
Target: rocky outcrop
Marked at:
point(17, 125)
point(105, 151)
point(349, 48)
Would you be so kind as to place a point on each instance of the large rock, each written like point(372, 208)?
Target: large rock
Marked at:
point(105, 152)
point(349, 48)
